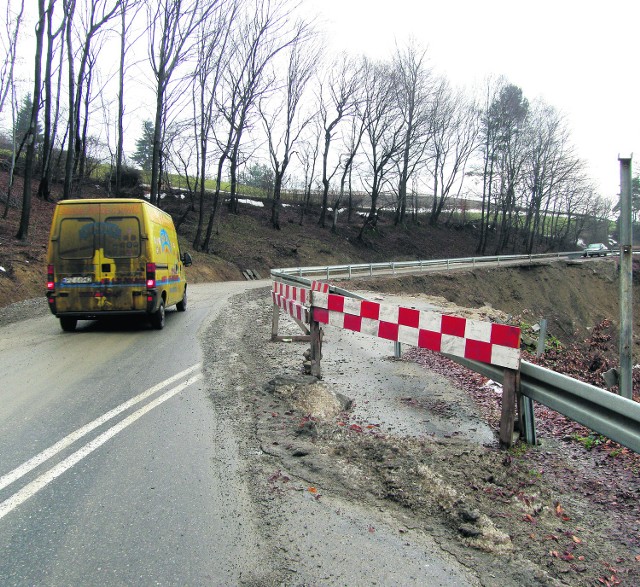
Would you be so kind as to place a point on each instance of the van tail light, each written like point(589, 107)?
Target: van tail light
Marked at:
point(151, 275)
point(51, 283)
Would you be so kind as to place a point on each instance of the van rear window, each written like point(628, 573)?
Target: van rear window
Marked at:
point(77, 238)
point(121, 237)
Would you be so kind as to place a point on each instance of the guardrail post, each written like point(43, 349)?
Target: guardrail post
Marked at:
point(626, 280)
point(316, 346)
point(507, 418)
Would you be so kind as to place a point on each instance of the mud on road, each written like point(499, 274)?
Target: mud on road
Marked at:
point(409, 474)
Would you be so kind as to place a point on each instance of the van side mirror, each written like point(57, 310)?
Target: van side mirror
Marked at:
point(186, 259)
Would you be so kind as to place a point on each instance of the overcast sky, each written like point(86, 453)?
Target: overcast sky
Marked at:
point(581, 57)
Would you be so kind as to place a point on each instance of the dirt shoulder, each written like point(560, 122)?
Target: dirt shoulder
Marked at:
point(553, 514)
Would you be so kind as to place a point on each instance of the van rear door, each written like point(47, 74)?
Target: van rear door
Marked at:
point(76, 261)
point(101, 261)
point(122, 266)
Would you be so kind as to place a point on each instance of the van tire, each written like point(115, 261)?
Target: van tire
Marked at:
point(68, 324)
point(181, 306)
point(157, 318)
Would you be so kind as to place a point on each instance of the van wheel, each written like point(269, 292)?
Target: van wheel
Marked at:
point(68, 324)
point(182, 306)
point(157, 318)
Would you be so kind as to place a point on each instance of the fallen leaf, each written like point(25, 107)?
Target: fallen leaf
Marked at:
point(567, 556)
point(313, 490)
point(529, 518)
point(576, 540)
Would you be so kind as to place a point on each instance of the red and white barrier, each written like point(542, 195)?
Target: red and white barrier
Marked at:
point(291, 306)
point(300, 295)
point(486, 342)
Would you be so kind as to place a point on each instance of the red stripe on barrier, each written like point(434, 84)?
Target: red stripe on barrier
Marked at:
point(352, 322)
point(505, 335)
point(409, 317)
point(369, 310)
point(319, 286)
point(428, 339)
point(453, 325)
point(335, 303)
point(388, 330)
point(321, 315)
point(478, 351)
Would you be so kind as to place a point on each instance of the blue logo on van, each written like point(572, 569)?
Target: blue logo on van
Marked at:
point(105, 228)
point(164, 240)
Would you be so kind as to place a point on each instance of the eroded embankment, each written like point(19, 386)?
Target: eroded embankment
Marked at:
point(573, 296)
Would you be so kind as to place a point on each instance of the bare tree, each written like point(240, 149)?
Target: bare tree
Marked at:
point(414, 86)
point(337, 101)
point(128, 13)
point(489, 133)
point(308, 157)
point(551, 166)
point(352, 142)
point(212, 59)
point(99, 13)
point(51, 106)
point(383, 132)
point(23, 229)
point(256, 42)
point(454, 139)
point(171, 25)
point(284, 125)
point(12, 22)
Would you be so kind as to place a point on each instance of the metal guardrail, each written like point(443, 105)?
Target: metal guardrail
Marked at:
point(605, 413)
point(369, 269)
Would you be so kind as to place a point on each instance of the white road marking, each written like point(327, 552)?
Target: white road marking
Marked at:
point(36, 485)
point(46, 454)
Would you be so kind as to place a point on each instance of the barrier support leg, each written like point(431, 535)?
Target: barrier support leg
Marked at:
point(507, 418)
point(275, 320)
point(316, 347)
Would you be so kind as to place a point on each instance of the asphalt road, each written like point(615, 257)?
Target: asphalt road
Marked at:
point(108, 472)
point(129, 456)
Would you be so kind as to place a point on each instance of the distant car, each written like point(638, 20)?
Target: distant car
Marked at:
point(596, 249)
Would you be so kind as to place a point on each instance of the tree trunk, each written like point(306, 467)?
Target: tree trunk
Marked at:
point(120, 131)
point(23, 230)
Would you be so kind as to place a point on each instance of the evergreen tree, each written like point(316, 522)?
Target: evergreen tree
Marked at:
point(23, 120)
point(144, 147)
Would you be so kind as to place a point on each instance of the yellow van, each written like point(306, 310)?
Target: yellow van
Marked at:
point(113, 257)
